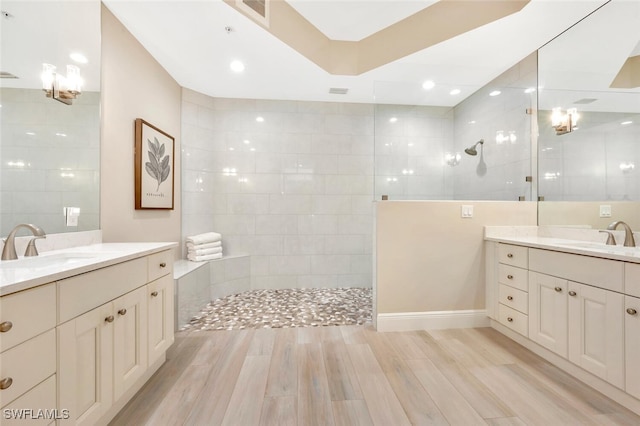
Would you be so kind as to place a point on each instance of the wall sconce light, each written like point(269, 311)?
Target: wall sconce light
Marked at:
point(627, 167)
point(452, 159)
point(564, 122)
point(59, 87)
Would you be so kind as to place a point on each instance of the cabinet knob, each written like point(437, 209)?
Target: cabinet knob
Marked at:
point(109, 318)
point(163, 264)
point(509, 255)
point(631, 311)
point(154, 294)
point(122, 311)
point(558, 289)
point(510, 277)
point(572, 293)
point(510, 319)
point(509, 297)
point(5, 326)
point(5, 383)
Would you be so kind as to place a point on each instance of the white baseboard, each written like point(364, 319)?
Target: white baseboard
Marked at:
point(436, 320)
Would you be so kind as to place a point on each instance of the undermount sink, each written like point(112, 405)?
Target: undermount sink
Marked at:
point(600, 246)
point(59, 259)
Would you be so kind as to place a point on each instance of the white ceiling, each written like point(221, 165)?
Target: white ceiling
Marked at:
point(189, 40)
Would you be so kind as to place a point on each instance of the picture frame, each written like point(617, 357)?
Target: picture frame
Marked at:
point(154, 158)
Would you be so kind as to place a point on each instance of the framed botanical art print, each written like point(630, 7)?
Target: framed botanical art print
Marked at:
point(154, 167)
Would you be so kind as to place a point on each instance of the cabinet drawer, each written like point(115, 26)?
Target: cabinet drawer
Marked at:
point(632, 279)
point(513, 255)
point(26, 314)
point(82, 293)
point(603, 273)
point(27, 365)
point(516, 299)
point(160, 264)
point(42, 397)
point(517, 321)
point(514, 277)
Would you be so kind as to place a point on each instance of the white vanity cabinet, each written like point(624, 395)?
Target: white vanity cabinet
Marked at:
point(105, 352)
point(28, 348)
point(513, 287)
point(579, 308)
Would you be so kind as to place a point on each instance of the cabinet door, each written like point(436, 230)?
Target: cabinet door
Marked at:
point(632, 344)
point(129, 340)
point(160, 298)
point(596, 318)
point(85, 366)
point(548, 312)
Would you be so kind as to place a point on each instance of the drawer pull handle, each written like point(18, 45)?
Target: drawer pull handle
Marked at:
point(5, 383)
point(154, 294)
point(122, 311)
point(572, 293)
point(5, 326)
point(509, 255)
point(510, 277)
point(509, 297)
point(558, 289)
point(163, 264)
point(109, 318)
point(631, 311)
point(510, 319)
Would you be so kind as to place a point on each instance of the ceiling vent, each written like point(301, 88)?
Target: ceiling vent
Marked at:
point(4, 74)
point(338, 90)
point(585, 101)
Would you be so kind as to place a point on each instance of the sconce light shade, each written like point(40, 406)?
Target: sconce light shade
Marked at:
point(564, 122)
point(59, 87)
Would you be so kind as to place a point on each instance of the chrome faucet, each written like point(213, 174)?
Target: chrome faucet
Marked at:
point(629, 241)
point(9, 250)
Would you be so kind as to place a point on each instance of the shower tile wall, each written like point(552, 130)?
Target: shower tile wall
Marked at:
point(49, 159)
point(498, 171)
point(295, 191)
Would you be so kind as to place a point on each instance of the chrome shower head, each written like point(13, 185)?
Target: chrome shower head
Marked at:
point(472, 149)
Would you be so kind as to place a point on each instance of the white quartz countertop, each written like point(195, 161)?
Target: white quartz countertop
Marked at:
point(585, 248)
point(28, 272)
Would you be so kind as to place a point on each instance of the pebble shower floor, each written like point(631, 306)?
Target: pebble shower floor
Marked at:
point(311, 307)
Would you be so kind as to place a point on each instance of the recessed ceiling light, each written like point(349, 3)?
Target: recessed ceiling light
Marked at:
point(530, 90)
point(79, 58)
point(455, 92)
point(31, 134)
point(472, 122)
point(252, 149)
point(247, 141)
point(236, 66)
point(61, 134)
point(625, 123)
point(428, 85)
point(495, 93)
point(259, 119)
point(393, 119)
point(231, 148)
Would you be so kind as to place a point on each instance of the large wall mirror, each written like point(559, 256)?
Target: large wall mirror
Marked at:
point(49, 150)
point(589, 170)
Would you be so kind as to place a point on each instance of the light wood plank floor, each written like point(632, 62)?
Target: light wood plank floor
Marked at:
point(352, 375)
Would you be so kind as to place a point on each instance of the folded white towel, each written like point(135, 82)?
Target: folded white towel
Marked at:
point(208, 237)
point(204, 252)
point(195, 258)
point(192, 246)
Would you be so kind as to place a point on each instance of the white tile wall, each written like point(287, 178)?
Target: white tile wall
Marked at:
point(295, 191)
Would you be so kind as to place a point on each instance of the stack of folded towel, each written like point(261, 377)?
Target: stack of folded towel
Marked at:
point(206, 246)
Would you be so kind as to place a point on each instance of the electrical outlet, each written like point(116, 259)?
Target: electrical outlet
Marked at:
point(466, 211)
point(605, 211)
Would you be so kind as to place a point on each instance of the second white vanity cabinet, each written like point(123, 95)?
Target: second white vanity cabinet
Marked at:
point(581, 308)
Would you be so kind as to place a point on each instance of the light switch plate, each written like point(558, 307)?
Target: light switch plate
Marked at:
point(466, 211)
point(605, 211)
